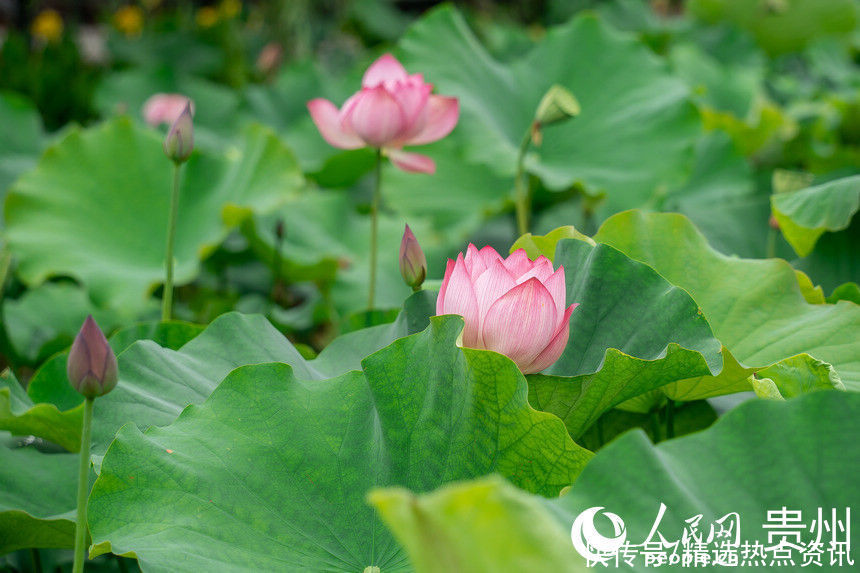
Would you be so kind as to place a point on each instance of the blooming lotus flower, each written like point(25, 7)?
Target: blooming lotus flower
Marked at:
point(165, 108)
point(392, 110)
point(514, 306)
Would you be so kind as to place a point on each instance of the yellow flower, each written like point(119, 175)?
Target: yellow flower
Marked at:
point(207, 16)
point(230, 8)
point(48, 26)
point(129, 20)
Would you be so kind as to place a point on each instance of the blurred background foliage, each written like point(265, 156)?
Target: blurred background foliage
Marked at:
point(749, 98)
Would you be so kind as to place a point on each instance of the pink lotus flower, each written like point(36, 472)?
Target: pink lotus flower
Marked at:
point(514, 306)
point(392, 109)
point(165, 108)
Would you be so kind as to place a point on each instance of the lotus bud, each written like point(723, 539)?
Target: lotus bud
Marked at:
point(91, 367)
point(773, 223)
point(557, 105)
point(179, 141)
point(413, 263)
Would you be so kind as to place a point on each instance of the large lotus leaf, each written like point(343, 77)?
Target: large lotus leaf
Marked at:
point(746, 463)
point(48, 408)
point(457, 198)
point(156, 383)
point(22, 141)
point(326, 238)
point(806, 214)
point(784, 26)
point(20, 416)
point(725, 86)
point(49, 383)
point(720, 198)
point(755, 307)
point(635, 340)
point(96, 205)
point(44, 320)
point(633, 333)
point(835, 260)
point(271, 472)
point(846, 291)
point(636, 130)
point(37, 499)
point(476, 526)
point(800, 374)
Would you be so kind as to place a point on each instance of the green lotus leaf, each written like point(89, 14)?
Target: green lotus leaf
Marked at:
point(615, 360)
point(806, 214)
point(23, 139)
point(835, 259)
point(37, 499)
point(49, 407)
point(847, 291)
point(632, 333)
point(20, 416)
point(746, 463)
point(481, 525)
point(785, 25)
point(95, 208)
point(796, 375)
point(636, 130)
point(755, 307)
point(271, 472)
point(720, 197)
point(328, 240)
point(544, 245)
point(45, 320)
point(157, 382)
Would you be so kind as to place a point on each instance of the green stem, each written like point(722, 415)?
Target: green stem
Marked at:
point(5, 263)
point(523, 203)
point(374, 223)
point(277, 263)
point(83, 487)
point(37, 560)
point(655, 425)
point(771, 243)
point(167, 298)
point(670, 420)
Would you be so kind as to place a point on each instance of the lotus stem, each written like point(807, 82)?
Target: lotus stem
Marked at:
point(523, 199)
point(670, 420)
point(374, 224)
point(83, 487)
point(5, 263)
point(770, 252)
point(167, 297)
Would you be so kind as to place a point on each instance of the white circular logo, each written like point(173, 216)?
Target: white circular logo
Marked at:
point(586, 538)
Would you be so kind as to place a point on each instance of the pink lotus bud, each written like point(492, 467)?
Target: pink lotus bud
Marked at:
point(392, 109)
point(179, 141)
point(270, 58)
point(91, 367)
point(413, 263)
point(165, 108)
point(514, 306)
point(773, 223)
